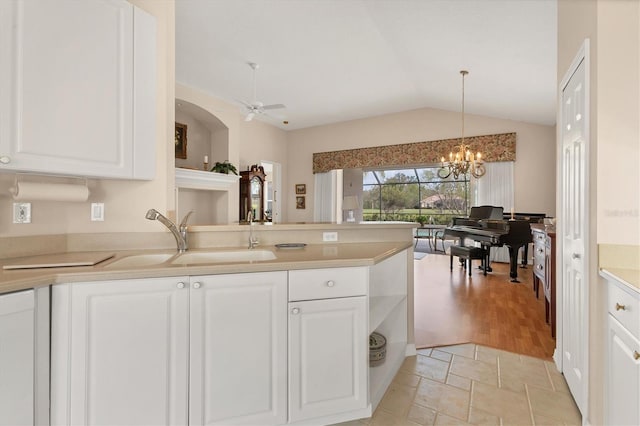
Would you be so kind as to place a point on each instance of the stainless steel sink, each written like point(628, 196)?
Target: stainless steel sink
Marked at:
point(201, 257)
point(139, 260)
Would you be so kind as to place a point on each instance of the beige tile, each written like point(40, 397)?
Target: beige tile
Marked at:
point(557, 379)
point(421, 415)
point(475, 370)
point(512, 407)
point(397, 399)
point(514, 376)
point(443, 398)
point(555, 405)
point(406, 379)
point(425, 352)
point(463, 383)
point(427, 367)
point(485, 352)
point(546, 421)
point(442, 356)
point(465, 349)
point(444, 420)
point(481, 417)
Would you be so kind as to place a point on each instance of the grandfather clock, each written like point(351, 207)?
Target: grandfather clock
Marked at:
point(252, 193)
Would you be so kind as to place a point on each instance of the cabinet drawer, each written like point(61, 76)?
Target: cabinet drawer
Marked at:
point(625, 307)
point(327, 283)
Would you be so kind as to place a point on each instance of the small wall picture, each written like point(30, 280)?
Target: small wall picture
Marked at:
point(300, 203)
point(181, 140)
point(301, 189)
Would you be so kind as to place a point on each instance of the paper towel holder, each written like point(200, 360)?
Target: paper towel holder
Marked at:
point(50, 191)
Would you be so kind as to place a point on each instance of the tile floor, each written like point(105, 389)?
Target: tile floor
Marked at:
point(474, 384)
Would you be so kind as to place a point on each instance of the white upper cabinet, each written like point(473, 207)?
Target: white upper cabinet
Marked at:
point(77, 86)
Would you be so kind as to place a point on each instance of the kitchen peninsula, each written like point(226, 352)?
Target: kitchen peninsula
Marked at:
point(231, 341)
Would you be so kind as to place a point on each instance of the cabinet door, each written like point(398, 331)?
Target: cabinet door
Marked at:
point(68, 89)
point(328, 357)
point(623, 376)
point(238, 349)
point(17, 332)
point(120, 352)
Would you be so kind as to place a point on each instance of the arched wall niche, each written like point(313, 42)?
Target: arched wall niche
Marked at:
point(210, 132)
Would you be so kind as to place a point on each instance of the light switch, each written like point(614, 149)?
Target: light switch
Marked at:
point(21, 212)
point(97, 212)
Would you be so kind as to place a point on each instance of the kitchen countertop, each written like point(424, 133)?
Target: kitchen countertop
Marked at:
point(311, 256)
point(628, 277)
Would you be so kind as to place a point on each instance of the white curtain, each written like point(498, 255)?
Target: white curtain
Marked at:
point(495, 188)
point(327, 198)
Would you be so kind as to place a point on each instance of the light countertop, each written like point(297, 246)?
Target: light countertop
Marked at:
point(628, 277)
point(311, 256)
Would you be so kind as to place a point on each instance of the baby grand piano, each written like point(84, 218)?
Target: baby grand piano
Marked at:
point(493, 231)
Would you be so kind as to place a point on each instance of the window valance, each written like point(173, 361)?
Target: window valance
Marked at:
point(499, 147)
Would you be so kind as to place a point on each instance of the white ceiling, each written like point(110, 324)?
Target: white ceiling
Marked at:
point(337, 60)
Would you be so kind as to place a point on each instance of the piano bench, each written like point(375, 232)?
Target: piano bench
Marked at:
point(468, 254)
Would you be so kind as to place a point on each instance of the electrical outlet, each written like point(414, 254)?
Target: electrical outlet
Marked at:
point(329, 236)
point(21, 212)
point(97, 212)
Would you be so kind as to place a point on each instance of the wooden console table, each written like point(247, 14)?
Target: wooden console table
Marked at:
point(544, 270)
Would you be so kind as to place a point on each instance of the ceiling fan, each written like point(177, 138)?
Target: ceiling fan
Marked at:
point(256, 107)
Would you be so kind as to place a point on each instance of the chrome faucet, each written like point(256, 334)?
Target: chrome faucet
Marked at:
point(253, 241)
point(180, 234)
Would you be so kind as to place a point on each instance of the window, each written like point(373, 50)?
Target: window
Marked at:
point(405, 194)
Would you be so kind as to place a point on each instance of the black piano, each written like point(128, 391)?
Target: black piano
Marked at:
point(493, 231)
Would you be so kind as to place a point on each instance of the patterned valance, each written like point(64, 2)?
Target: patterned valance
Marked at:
point(500, 147)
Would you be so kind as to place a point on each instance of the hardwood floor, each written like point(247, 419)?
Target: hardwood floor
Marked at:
point(451, 308)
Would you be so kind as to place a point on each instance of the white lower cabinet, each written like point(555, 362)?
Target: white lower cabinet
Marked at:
point(623, 355)
point(328, 357)
point(171, 351)
point(24, 355)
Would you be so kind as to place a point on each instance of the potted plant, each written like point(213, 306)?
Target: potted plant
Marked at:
point(224, 167)
point(421, 220)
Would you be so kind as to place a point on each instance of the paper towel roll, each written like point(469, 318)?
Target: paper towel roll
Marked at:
point(49, 191)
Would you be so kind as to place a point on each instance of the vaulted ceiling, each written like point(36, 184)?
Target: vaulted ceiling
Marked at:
point(337, 60)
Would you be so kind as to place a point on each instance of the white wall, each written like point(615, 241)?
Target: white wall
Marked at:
point(535, 149)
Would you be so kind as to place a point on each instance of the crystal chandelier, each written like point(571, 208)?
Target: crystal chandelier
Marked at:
point(463, 161)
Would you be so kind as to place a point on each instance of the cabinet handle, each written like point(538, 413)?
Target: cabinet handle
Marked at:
point(620, 307)
point(636, 355)
point(575, 256)
point(4, 159)
point(539, 267)
point(330, 283)
point(295, 311)
point(196, 285)
point(540, 250)
point(180, 285)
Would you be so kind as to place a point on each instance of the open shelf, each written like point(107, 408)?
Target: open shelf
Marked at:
point(200, 179)
point(380, 307)
point(380, 376)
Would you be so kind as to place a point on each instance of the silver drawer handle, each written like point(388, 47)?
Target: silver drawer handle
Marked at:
point(575, 256)
point(180, 285)
point(540, 250)
point(330, 283)
point(620, 307)
point(540, 267)
point(196, 285)
point(295, 311)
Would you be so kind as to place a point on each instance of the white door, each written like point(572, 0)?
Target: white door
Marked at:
point(120, 352)
point(17, 332)
point(328, 357)
point(574, 224)
point(238, 358)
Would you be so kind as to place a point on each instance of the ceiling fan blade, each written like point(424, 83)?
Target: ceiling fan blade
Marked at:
point(273, 106)
point(249, 116)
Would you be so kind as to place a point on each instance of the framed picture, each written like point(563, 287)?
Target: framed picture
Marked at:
point(181, 140)
point(301, 189)
point(300, 203)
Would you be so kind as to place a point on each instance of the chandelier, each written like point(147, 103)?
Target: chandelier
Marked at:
point(463, 161)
